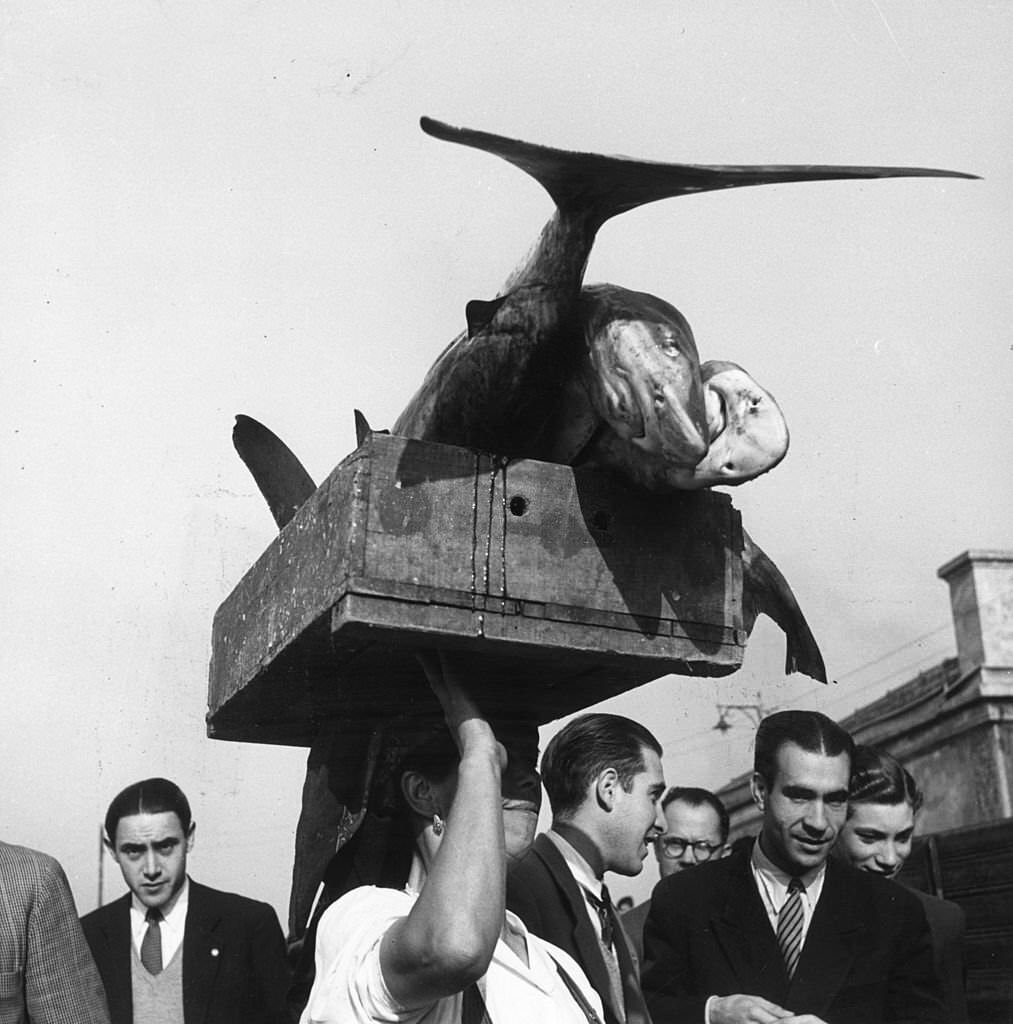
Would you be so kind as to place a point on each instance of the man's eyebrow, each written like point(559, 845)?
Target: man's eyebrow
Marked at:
point(791, 790)
point(658, 789)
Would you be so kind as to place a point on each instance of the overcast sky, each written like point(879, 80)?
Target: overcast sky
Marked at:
point(213, 208)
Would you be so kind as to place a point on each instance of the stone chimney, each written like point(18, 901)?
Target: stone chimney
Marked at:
point(981, 596)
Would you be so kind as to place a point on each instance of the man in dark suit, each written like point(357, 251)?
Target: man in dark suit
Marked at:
point(776, 931)
point(604, 780)
point(173, 950)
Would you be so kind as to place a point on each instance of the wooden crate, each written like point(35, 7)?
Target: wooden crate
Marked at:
point(561, 587)
point(973, 866)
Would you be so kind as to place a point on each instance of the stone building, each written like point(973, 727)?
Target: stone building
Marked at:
point(952, 725)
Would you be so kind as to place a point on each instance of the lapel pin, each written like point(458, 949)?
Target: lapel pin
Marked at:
point(214, 951)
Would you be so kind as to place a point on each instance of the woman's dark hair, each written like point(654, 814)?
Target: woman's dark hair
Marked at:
point(879, 778)
point(150, 796)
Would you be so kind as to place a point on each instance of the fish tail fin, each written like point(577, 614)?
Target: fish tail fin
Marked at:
point(610, 185)
point(279, 475)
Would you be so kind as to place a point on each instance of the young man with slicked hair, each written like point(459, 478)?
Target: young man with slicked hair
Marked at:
point(172, 951)
point(603, 777)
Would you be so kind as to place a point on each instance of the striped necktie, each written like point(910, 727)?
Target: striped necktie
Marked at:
point(789, 926)
point(151, 944)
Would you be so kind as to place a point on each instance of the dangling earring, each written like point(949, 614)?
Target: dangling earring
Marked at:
point(437, 825)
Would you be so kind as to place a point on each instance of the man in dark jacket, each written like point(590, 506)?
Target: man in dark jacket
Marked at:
point(776, 930)
point(173, 950)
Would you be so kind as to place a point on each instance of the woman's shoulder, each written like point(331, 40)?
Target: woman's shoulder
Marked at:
point(365, 906)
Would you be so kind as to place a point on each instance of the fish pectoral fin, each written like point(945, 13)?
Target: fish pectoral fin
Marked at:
point(279, 475)
point(479, 313)
point(767, 592)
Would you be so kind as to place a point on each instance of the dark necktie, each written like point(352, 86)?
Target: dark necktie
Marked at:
point(606, 916)
point(789, 926)
point(604, 908)
point(151, 944)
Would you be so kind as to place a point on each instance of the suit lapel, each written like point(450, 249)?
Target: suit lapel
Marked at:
point(830, 945)
point(629, 969)
point(202, 954)
point(115, 961)
point(742, 930)
point(585, 941)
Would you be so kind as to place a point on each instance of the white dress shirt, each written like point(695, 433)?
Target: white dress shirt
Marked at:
point(172, 926)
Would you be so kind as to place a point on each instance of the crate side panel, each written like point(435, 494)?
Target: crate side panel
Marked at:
point(293, 584)
point(583, 539)
point(425, 511)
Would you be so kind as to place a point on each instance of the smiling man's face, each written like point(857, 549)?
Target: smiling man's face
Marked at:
point(804, 807)
point(151, 851)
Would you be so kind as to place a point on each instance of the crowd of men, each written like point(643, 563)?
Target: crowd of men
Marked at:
point(771, 929)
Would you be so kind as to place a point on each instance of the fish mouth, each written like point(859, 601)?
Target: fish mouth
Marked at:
point(748, 434)
point(717, 413)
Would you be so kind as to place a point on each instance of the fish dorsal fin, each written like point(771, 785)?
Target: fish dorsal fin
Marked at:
point(279, 475)
point(479, 313)
point(362, 428)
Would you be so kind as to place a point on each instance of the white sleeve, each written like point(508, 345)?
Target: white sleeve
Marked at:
point(349, 985)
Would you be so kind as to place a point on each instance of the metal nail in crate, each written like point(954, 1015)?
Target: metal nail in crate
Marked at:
point(565, 585)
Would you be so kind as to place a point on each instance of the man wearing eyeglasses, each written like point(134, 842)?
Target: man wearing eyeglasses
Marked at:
point(696, 830)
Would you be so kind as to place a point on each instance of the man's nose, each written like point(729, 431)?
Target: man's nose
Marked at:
point(687, 857)
point(888, 855)
point(815, 819)
point(151, 866)
point(659, 825)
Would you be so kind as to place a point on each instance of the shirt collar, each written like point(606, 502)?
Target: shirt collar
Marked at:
point(777, 880)
point(176, 914)
point(578, 866)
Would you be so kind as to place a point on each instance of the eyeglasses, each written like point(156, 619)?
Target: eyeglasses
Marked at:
point(673, 848)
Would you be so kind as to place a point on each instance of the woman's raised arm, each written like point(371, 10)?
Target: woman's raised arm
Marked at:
point(447, 940)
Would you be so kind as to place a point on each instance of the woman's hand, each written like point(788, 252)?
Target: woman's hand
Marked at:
point(464, 718)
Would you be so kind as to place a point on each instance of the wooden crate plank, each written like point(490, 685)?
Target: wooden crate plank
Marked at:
point(566, 588)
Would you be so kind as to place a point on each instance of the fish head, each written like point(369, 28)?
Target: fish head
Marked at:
point(645, 383)
point(747, 430)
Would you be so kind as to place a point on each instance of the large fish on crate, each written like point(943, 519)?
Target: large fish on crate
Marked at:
point(548, 369)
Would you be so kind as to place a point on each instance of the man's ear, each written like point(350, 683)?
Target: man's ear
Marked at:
point(420, 795)
point(758, 790)
point(605, 787)
point(191, 832)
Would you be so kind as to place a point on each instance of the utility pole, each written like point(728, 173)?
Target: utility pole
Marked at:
point(754, 712)
point(101, 863)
